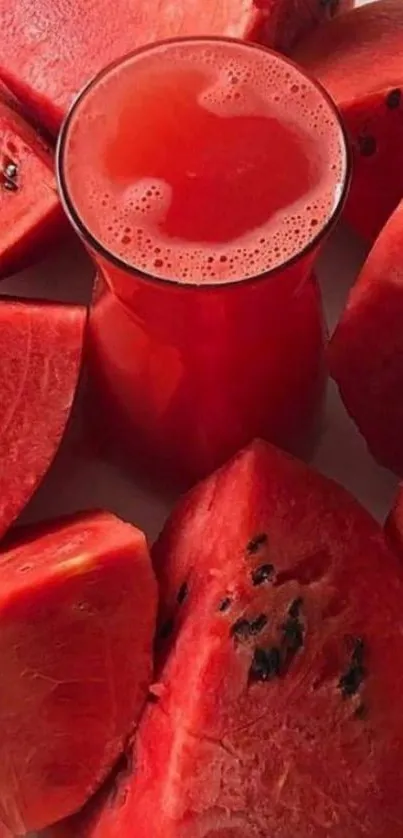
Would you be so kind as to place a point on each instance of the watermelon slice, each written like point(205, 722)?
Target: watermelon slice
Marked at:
point(30, 213)
point(45, 60)
point(366, 351)
point(278, 712)
point(77, 617)
point(359, 59)
point(40, 349)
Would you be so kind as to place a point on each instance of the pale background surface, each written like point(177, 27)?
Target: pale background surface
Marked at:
point(76, 482)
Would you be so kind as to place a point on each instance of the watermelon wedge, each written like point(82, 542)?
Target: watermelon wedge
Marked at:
point(278, 710)
point(358, 57)
point(77, 617)
point(30, 213)
point(40, 349)
point(366, 351)
point(45, 60)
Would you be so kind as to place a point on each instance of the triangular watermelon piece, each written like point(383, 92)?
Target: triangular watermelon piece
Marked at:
point(30, 212)
point(40, 348)
point(262, 505)
point(45, 59)
point(77, 619)
point(278, 711)
point(358, 59)
point(366, 351)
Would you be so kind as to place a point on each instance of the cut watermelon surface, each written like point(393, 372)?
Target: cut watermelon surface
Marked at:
point(30, 213)
point(394, 524)
point(366, 352)
point(40, 349)
point(77, 617)
point(278, 710)
point(358, 57)
point(45, 59)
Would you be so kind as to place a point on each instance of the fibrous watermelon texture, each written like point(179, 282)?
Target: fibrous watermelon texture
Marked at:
point(30, 213)
point(359, 59)
point(394, 524)
point(40, 348)
point(278, 711)
point(45, 59)
point(77, 618)
point(366, 351)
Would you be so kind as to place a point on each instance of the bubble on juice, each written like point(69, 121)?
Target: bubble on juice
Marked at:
point(146, 197)
point(238, 81)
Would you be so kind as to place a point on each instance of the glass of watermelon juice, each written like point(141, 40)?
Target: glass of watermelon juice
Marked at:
point(203, 175)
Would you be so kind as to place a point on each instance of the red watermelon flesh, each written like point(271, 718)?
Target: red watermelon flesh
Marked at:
point(261, 505)
point(366, 351)
point(358, 57)
point(394, 524)
point(40, 350)
point(278, 713)
point(30, 212)
point(45, 59)
point(77, 617)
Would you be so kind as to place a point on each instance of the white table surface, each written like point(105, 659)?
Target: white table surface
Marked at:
point(77, 482)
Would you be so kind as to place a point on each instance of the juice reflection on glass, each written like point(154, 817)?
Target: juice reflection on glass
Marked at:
point(203, 175)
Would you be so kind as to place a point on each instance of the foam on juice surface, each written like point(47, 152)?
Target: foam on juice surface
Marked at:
point(130, 214)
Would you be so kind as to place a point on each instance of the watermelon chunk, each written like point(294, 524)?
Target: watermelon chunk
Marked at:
point(45, 60)
point(40, 349)
point(358, 57)
point(366, 352)
point(30, 213)
point(278, 711)
point(77, 617)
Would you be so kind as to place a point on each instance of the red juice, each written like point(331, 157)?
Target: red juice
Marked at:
point(203, 175)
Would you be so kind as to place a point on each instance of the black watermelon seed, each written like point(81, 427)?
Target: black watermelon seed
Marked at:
point(256, 542)
point(295, 607)
point(394, 98)
point(350, 683)
point(266, 664)
point(293, 635)
point(241, 629)
point(10, 171)
point(258, 624)
point(353, 678)
point(224, 605)
point(10, 185)
point(367, 145)
point(167, 629)
point(262, 574)
point(182, 593)
point(244, 629)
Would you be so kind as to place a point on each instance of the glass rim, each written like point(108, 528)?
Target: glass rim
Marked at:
point(116, 261)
